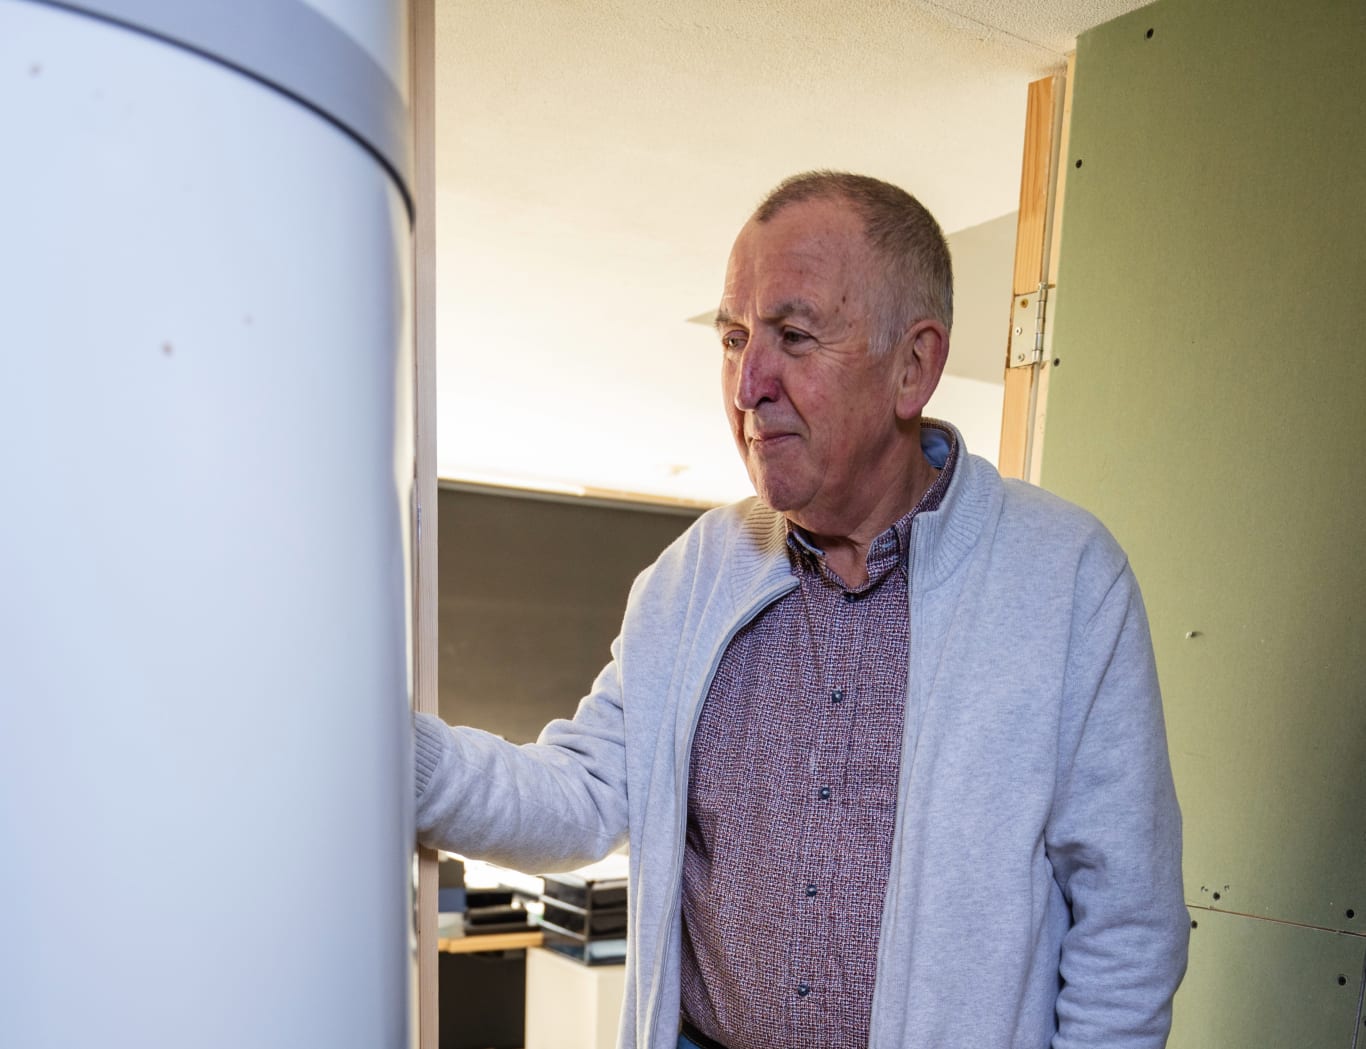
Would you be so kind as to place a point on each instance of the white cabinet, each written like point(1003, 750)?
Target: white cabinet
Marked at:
point(570, 1005)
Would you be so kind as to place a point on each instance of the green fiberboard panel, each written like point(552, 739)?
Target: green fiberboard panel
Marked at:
point(1307, 999)
point(1209, 404)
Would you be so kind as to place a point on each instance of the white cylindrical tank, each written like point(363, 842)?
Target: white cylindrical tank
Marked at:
point(205, 475)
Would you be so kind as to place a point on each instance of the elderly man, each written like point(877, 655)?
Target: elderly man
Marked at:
point(886, 742)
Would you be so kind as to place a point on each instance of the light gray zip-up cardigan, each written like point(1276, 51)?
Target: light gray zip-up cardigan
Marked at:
point(1035, 895)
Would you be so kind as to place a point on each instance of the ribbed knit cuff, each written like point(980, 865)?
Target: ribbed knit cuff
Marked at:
point(430, 739)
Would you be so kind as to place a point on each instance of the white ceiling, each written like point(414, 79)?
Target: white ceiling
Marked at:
point(595, 159)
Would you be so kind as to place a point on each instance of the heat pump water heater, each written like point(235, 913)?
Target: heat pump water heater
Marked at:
point(205, 475)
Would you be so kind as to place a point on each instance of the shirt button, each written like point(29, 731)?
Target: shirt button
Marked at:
point(823, 794)
point(803, 990)
point(837, 696)
point(849, 598)
point(811, 889)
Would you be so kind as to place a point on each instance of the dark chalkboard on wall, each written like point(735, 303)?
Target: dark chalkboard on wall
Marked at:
point(532, 589)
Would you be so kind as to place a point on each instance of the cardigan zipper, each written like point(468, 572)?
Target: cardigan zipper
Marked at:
point(908, 740)
point(681, 757)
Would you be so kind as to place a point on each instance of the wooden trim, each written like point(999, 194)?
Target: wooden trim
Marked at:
point(1032, 223)
point(422, 102)
point(1038, 422)
point(1032, 251)
point(1060, 180)
point(1015, 419)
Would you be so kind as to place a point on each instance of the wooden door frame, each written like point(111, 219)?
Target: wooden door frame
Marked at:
point(422, 107)
point(1048, 110)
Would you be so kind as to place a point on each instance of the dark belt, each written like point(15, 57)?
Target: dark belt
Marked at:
point(699, 1039)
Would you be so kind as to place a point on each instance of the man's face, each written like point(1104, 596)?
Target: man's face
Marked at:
point(813, 414)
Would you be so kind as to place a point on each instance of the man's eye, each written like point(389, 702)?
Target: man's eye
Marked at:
point(733, 340)
point(793, 337)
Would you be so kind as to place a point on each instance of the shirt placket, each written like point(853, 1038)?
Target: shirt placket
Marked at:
point(831, 712)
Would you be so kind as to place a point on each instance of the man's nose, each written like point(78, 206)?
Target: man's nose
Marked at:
point(757, 379)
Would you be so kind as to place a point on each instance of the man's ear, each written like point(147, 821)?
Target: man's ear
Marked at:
point(923, 350)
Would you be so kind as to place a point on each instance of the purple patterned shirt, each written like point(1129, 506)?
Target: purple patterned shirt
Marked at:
point(792, 804)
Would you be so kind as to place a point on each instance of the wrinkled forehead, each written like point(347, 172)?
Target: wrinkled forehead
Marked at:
point(813, 249)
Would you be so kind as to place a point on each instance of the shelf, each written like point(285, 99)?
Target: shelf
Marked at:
point(494, 941)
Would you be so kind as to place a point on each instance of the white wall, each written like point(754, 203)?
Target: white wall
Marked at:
point(972, 388)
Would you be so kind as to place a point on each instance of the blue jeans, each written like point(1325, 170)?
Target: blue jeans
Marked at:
point(684, 1042)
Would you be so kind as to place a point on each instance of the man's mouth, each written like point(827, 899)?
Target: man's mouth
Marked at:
point(770, 438)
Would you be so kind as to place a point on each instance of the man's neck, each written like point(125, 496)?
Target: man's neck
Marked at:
point(847, 555)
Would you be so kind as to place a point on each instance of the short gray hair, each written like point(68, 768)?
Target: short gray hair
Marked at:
point(918, 270)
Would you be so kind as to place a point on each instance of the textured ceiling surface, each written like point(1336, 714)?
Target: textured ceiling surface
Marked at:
point(595, 159)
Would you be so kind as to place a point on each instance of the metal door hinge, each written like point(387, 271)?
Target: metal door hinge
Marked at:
point(1031, 337)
